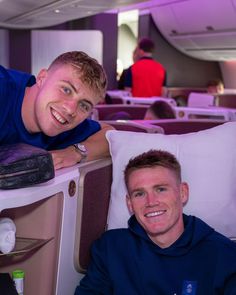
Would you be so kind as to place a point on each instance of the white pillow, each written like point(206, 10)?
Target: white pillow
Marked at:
point(208, 160)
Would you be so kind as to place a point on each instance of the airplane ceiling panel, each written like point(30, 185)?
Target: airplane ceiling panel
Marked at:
point(208, 33)
point(28, 14)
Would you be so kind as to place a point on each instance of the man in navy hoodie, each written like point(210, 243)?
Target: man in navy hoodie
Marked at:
point(51, 110)
point(163, 251)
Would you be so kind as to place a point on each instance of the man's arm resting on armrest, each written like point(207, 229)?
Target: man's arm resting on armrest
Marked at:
point(96, 145)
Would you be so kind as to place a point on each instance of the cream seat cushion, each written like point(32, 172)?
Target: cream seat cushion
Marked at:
point(208, 160)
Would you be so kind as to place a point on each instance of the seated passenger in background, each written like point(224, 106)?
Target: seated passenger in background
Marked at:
point(163, 251)
point(146, 77)
point(160, 110)
point(51, 110)
point(215, 86)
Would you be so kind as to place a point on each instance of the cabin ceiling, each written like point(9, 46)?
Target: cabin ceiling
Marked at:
point(30, 14)
point(203, 29)
point(208, 33)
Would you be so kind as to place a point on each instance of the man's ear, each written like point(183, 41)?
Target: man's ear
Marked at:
point(41, 77)
point(141, 52)
point(129, 204)
point(184, 192)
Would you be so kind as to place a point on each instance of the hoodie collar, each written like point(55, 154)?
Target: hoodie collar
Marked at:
point(195, 230)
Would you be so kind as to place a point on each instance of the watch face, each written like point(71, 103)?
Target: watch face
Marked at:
point(82, 148)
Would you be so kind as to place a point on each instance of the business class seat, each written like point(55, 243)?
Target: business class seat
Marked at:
point(117, 95)
point(199, 100)
point(109, 112)
point(131, 100)
point(124, 97)
point(207, 158)
point(181, 94)
point(175, 126)
point(128, 125)
point(226, 100)
point(208, 113)
point(94, 195)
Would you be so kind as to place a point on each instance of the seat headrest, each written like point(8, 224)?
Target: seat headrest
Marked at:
point(208, 160)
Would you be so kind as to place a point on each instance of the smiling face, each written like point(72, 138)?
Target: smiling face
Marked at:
point(156, 197)
point(61, 101)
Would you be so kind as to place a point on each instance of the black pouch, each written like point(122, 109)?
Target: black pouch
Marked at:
point(7, 286)
point(23, 165)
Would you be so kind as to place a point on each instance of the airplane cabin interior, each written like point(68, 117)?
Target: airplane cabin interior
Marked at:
point(57, 221)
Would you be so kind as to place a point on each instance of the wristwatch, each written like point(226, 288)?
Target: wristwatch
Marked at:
point(82, 150)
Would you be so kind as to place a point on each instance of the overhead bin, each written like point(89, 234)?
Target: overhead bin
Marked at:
point(203, 29)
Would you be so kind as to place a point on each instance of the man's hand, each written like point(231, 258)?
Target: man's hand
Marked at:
point(96, 145)
point(65, 158)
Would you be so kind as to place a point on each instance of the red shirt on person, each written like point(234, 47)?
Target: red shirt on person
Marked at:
point(146, 78)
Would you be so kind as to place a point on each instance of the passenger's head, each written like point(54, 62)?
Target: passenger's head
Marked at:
point(215, 86)
point(145, 47)
point(64, 94)
point(146, 44)
point(160, 110)
point(156, 195)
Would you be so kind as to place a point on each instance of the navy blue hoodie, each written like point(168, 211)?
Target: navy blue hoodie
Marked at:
point(127, 262)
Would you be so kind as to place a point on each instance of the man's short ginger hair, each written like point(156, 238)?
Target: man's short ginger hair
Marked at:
point(151, 159)
point(90, 71)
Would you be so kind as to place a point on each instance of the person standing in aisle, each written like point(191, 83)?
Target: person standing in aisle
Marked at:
point(146, 77)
